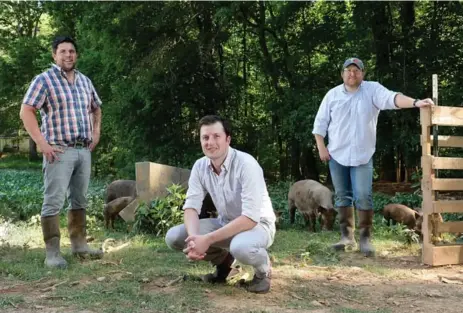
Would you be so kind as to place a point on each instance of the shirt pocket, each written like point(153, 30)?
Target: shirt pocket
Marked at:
point(339, 111)
point(232, 191)
point(85, 98)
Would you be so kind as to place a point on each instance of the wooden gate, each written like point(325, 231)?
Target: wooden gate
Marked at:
point(434, 253)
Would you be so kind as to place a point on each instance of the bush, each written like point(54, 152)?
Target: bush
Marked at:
point(159, 215)
point(411, 200)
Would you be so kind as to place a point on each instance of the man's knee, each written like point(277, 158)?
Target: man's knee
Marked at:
point(343, 202)
point(175, 237)
point(364, 202)
point(49, 211)
point(52, 204)
point(243, 251)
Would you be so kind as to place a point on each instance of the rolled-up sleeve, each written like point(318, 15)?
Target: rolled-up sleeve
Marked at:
point(196, 192)
point(383, 98)
point(36, 94)
point(322, 119)
point(252, 178)
point(96, 101)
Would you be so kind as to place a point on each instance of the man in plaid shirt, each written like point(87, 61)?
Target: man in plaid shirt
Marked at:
point(71, 118)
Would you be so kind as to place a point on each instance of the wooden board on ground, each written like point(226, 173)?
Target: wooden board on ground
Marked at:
point(128, 213)
point(153, 179)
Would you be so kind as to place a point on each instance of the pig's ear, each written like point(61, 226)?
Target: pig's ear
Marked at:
point(321, 209)
point(418, 214)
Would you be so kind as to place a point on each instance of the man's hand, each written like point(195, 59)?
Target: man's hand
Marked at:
point(424, 103)
point(324, 154)
point(191, 253)
point(51, 153)
point(198, 244)
point(95, 141)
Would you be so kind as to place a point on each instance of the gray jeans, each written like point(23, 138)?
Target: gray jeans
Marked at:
point(248, 247)
point(71, 175)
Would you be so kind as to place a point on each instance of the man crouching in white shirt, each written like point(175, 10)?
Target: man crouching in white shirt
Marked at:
point(245, 226)
point(349, 114)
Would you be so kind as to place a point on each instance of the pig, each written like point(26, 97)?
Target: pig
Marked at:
point(312, 199)
point(208, 209)
point(433, 218)
point(121, 188)
point(399, 213)
point(112, 209)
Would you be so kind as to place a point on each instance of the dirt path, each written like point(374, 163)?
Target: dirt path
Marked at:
point(399, 285)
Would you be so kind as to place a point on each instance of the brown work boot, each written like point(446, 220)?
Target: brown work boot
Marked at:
point(347, 226)
point(365, 226)
point(77, 234)
point(260, 284)
point(51, 236)
point(221, 271)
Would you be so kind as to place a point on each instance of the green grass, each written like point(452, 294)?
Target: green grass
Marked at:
point(125, 289)
point(8, 301)
point(19, 161)
point(347, 310)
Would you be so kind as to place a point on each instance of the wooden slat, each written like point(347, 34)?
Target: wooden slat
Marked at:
point(447, 116)
point(449, 141)
point(448, 206)
point(443, 163)
point(426, 165)
point(425, 121)
point(447, 184)
point(444, 255)
point(450, 227)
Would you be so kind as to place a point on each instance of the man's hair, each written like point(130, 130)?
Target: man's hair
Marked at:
point(60, 39)
point(212, 119)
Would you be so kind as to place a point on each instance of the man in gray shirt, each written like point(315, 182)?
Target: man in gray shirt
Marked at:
point(245, 226)
point(349, 114)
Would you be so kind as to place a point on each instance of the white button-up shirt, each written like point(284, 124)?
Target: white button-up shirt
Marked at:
point(350, 120)
point(240, 189)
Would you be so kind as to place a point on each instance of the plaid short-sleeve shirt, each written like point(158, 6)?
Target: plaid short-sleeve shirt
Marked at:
point(65, 108)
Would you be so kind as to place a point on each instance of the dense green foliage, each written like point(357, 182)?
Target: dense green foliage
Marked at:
point(160, 66)
point(21, 196)
point(158, 216)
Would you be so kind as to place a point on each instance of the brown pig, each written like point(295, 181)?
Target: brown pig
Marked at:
point(399, 213)
point(113, 208)
point(121, 188)
point(312, 198)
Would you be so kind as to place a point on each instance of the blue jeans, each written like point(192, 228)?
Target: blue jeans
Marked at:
point(69, 176)
point(352, 185)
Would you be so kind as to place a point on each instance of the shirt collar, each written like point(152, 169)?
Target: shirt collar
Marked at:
point(60, 70)
point(226, 163)
point(344, 90)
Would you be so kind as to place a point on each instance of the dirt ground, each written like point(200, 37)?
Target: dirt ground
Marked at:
point(357, 284)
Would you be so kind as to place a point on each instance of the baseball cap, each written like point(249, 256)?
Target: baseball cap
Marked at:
point(357, 62)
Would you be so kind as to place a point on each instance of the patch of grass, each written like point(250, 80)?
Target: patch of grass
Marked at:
point(19, 161)
point(7, 301)
point(349, 310)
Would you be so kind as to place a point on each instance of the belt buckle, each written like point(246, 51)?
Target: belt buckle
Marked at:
point(80, 144)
